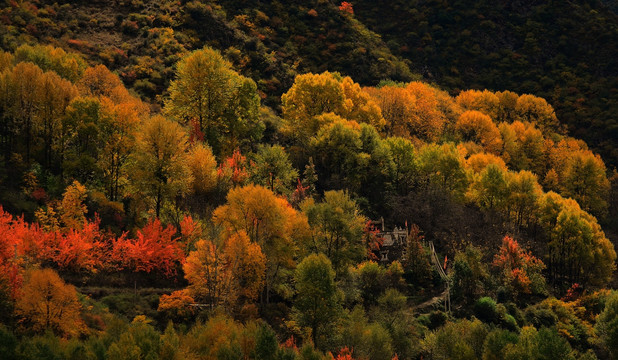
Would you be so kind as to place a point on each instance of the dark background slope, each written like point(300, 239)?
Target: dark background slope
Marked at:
point(271, 42)
point(564, 51)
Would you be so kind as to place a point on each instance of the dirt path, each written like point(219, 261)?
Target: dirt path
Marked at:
point(434, 300)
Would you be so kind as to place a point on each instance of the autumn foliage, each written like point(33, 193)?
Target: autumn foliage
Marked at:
point(89, 249)
point(344, 354)
point(231, 275)
point(520, 271)
point(416, 110)
point(154, 248)
point(346, 7)
point(233, 169)
point(118, 186)
point(373, 240)
point(47, 303)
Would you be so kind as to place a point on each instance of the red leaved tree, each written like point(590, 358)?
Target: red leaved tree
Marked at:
point(234, 169)
point(9, 270)
point(345, 353)
point(346, 7)
point(75, 249)
point(153, 249)
point(373, 240)
point(190, 231)
point(520, 271)
point(82, 249)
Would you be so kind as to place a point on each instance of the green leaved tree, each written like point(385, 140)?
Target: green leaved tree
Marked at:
point(316, 305)
point(222, 104)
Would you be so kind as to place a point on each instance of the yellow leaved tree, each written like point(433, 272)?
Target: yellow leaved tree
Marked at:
point(47, 303)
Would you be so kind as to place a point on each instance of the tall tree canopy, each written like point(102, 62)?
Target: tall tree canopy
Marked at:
point(316, 305)
point(271, 222)
point(337, 228)
point(313, 95)
point(224, 104)
point(47, 303)
point(159, 167)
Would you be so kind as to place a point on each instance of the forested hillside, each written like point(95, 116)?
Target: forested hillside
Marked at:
point(562, 51)
point(270, 42)
point(219, 180)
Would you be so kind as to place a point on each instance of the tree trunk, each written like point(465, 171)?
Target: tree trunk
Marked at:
point(158, 201)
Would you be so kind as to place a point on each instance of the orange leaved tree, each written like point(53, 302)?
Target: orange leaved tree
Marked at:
point(210, 282)
point(47, 303)
point(227, 275)
point(520, 271)
point(269, 221)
